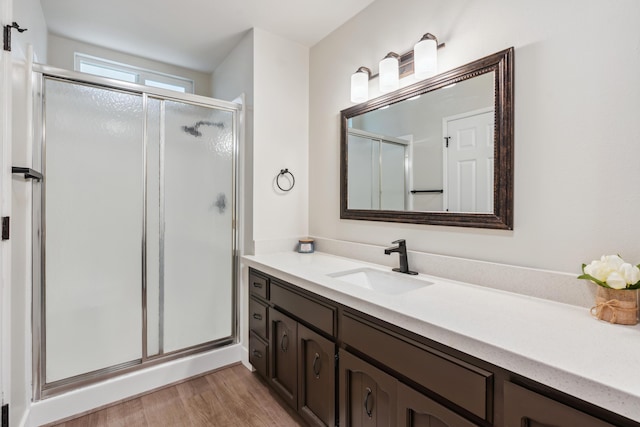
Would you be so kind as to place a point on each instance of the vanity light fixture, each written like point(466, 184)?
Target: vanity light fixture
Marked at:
point(425, 57)
point(360, 85)
point(389, 70)
point(422, 61)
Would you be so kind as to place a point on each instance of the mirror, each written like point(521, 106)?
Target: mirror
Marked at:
point(437, 152)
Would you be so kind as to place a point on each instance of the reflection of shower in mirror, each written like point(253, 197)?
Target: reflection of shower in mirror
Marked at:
point(193, 130)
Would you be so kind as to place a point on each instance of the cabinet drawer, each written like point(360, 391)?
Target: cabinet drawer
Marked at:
point(307, 310)
point(258, 285)
point(459, 382)
point(258, 318)
point(525, 407)
point(258, 354)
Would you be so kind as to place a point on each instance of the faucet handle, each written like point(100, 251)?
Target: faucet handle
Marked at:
point(400, 242)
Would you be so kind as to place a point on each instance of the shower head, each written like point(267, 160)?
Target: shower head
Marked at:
point(193, 130)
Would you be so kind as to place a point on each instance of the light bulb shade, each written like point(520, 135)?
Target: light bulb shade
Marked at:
point(425, 58)
point(360, 86)
point(389, 74)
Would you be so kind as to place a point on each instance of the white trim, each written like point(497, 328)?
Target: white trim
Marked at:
point(134, 87)
point(6, 75)
point(126, 386)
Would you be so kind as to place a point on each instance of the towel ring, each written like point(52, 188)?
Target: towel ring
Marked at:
point(282, 173)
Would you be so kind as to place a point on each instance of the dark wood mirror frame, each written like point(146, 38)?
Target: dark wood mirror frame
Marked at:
point(502, 217)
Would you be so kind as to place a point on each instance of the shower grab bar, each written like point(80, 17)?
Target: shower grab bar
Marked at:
point(28, 173)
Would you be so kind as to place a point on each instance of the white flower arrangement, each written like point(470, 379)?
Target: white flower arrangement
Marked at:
point(610, 271)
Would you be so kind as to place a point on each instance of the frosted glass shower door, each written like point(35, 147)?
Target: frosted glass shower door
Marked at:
point(198, 235)
point(93, 163)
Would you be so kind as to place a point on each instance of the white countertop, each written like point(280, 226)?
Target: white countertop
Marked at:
point(556, 344)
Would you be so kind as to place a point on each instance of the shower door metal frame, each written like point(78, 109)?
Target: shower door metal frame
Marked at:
point(40, 388)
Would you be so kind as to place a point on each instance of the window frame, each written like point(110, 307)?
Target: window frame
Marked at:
point(142, 75)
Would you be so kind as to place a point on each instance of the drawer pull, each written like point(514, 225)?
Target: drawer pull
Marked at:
point(257, 354)
point(257, 316)
point(366, 403)
point(257, 285)
point(284, 342)
point(316, 365)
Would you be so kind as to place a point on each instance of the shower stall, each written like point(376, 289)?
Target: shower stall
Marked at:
point(134, 251)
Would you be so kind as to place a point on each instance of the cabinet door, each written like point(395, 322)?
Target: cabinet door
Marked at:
point(317, 374)
point(367, 395)
point(283, 373)
point(524, 407)
point(417, 410)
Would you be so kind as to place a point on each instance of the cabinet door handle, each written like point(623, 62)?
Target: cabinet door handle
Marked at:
point(257, 354)
point(257, 316)
point(257, 285)
point(366, 403)
point(316, 365)
point(284, 342)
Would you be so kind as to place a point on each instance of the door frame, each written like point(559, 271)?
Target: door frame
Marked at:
point(6, 103)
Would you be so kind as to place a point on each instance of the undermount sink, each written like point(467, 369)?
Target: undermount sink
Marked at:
point(384, 282)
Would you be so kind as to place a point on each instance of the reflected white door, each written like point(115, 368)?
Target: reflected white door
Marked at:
point(469, 162)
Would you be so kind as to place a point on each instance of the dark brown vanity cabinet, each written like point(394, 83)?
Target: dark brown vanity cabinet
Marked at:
point(303, 369)
point(367, 395)
point(293, 330)
point(283, 372)
point(387, 376)
point(523, 407)
point(258, 332)
point(417, 410)
point(317, 378)
point(371, 397)
point(461, 383)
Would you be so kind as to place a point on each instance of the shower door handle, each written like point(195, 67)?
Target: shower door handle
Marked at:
point(27, 172)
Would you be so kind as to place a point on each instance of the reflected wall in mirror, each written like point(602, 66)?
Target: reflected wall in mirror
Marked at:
point(437, 152)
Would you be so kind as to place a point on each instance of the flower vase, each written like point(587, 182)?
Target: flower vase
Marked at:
point(616, 306)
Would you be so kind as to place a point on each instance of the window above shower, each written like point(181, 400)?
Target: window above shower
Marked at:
point(128, 73)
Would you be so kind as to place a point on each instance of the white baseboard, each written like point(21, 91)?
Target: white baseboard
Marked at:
point(129, 385)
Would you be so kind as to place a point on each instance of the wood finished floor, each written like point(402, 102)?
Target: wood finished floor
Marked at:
point(230, 397)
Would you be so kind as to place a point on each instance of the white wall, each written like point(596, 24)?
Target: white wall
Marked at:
point(272, 72)
point(233, 77)
point(28, 14)
point(577, 101)
point(281, 135)
point(61, 55)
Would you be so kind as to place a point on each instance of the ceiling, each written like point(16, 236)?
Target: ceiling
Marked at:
point(195, 34)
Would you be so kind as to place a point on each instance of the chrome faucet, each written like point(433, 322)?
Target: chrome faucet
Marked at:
point(402, 251)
